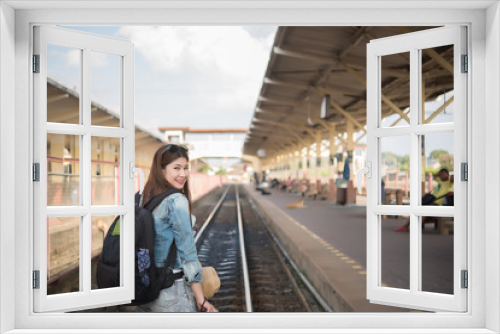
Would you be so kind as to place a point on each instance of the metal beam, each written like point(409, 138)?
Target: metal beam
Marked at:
point(98, 120)
point(271, 132)
point(433, 54)
point(304, 55)
point(57, 97)
point(346, 114)
point(285, 126)
point(294, 125)
point(277, 101)
point(65, 118)
point(355, 39)
point(331, 89)
point(291, 84)
point(342, 140)
point(384, 98)
point(439, 110)
point(364, 134)
point(439, 59)
point(395, 107)
point(326, 125)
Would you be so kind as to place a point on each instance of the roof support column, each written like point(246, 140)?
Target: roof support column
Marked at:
point(351, 192)
point(308, 163)
point(318, 160)
point(350, 145)
point(333, 160)
point(296, 158)
point(332, 185)
point(276, 166)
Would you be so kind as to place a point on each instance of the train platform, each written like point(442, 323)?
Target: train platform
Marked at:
point(327, 242)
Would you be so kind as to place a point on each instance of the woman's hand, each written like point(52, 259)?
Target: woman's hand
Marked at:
point(205, 306)
point(202, 303)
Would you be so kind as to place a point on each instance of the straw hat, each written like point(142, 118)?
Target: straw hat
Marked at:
point(210, 282)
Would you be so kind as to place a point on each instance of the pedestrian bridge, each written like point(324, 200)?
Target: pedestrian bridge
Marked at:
point(208, 143)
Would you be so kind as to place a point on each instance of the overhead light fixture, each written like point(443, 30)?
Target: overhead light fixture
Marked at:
point(309, 121)
point(325, 107)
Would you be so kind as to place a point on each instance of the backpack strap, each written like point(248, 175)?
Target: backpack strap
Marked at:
point(158, 199)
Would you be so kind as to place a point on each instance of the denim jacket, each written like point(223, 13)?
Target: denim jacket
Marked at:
point(172, 220)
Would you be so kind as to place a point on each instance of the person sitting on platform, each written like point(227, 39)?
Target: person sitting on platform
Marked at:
point(287, 184)
point(274, 183)
point(436, 197)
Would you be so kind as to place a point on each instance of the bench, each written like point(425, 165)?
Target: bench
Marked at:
point(323, 194)
point(444, 225)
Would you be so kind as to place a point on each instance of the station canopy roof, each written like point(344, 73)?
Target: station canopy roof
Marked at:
point(63, 105)
point(307, 63)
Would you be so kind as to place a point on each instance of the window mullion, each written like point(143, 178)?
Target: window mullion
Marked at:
point(415, 103)
point(86, 176)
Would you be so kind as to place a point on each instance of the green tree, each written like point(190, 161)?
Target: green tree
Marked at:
point(204, 169)
point(444, 158)
point(436, 153)
point(446, 161)
point(404, 163)
point(221, 171)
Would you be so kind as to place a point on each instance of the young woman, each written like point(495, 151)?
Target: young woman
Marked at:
point(172, 219)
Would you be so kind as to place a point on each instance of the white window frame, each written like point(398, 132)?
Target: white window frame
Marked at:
point(483, 314)
point(414, 43)
point(86, 43)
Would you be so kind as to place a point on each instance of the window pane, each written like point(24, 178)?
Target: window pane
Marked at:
point(395, 263)
point(437, 85)
point(395, 170)
point(105, 91)
point(437, 254)
point(100, 228)
point(395, 88)
point(63, 169)
point(105, 171)
point(63, 84)
point(63, 262)
point(438, 169)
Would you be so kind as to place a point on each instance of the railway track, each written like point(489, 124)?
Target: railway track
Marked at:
point(255, 275)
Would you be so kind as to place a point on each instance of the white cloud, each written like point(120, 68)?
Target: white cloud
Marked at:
point(97, 59)
point(224, 66)
point(73, 57)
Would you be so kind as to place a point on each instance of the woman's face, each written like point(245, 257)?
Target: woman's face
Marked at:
point(177, 172)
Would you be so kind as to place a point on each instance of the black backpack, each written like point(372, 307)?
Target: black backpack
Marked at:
point(149, 279)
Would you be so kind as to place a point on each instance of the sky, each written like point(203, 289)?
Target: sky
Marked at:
point(195, 76)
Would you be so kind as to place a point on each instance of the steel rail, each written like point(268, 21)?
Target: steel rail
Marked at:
point(246, 281)
point(209, 218)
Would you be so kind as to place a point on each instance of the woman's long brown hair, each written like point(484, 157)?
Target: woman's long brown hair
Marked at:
point(157, 183)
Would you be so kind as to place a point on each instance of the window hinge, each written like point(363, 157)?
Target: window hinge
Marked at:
point(36, 279)
point(465, 279)
point(36, 172)
point(464, 168)
point(36, 63)
point(465, 64)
